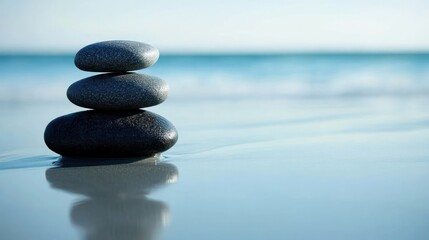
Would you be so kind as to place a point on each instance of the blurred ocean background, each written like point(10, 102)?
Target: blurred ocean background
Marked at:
point(293, 76)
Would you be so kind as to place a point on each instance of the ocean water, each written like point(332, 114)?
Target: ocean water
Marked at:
point(39, 78)
point(296, 146)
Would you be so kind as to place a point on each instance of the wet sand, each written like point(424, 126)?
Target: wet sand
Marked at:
point(246, 169)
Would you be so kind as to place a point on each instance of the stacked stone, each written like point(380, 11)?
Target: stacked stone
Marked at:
point(116, 127)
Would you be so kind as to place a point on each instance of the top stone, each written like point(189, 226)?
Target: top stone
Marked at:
point(116, 56)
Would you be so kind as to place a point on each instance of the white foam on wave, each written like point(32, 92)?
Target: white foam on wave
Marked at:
point(341, 86)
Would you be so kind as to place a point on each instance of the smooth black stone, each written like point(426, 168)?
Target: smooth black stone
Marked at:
point(110, 134)
point(115, 91)
point(116, 56)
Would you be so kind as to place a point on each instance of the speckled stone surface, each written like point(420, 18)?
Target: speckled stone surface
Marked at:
point(116, 56)
point(118, 91)
point(110, 134)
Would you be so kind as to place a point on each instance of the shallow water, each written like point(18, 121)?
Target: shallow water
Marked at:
point(300, 164)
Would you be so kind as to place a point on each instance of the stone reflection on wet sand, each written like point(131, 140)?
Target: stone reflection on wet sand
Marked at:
point(115, 204)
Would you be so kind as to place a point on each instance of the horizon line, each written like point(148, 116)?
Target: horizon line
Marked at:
point(240, 53)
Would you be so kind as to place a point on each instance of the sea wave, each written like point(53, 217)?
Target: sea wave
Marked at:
point(14, 160)
point(339, 87)
point(191, 87)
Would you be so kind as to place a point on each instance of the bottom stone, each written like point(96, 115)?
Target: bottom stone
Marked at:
point(110, 134)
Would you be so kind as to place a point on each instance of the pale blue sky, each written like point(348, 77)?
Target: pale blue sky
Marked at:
point(213, 26)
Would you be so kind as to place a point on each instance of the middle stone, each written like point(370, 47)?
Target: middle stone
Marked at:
point(118, 91)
